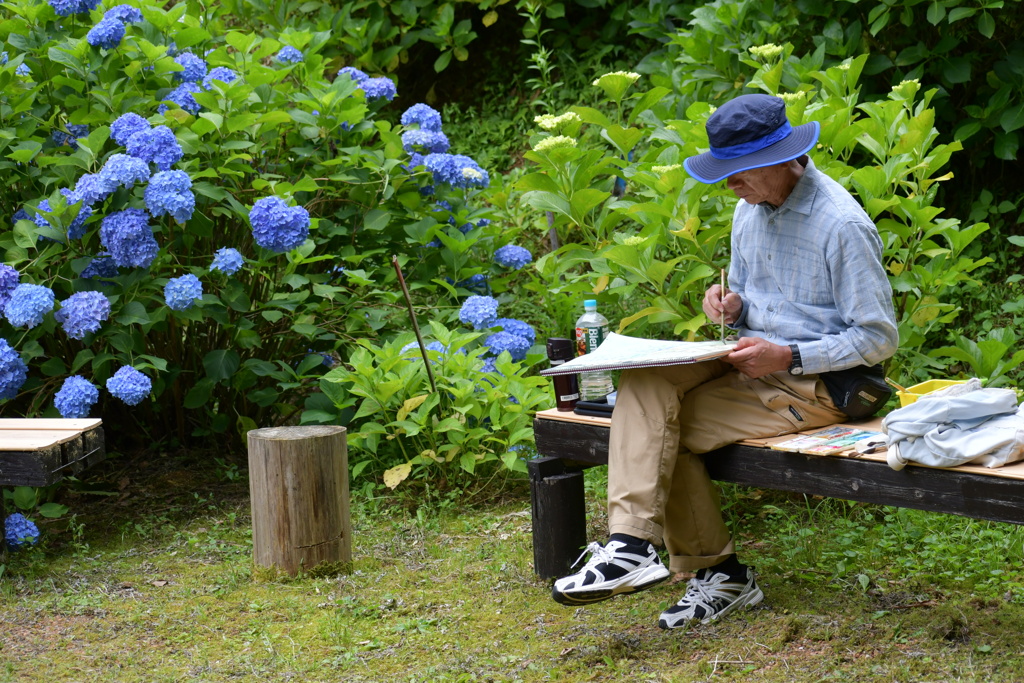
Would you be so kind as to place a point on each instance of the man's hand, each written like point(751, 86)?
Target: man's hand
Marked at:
point(756, 357)
point(715, 305)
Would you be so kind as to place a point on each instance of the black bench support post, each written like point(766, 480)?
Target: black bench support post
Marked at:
point(559, 516)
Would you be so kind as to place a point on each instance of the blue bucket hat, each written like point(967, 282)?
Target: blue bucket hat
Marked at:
point(750, 131)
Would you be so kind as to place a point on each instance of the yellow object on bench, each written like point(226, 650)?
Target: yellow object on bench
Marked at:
point(918, 390)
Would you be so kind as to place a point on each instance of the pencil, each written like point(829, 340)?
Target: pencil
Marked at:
point(723, 305)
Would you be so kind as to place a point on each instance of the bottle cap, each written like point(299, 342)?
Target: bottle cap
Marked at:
point(560, 348)
point(590, 303)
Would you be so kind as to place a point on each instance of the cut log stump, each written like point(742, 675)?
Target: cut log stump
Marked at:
point(298, 484)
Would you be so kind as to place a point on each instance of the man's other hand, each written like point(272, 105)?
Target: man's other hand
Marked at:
point(756, 357)
point(715, 305)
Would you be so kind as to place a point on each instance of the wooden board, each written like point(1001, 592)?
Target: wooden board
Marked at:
point(45, 455)
point(80, 425)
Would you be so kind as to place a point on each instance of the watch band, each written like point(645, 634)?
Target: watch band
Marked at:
point(796, 366)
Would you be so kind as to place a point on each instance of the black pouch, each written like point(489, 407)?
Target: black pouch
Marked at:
point(859, 392)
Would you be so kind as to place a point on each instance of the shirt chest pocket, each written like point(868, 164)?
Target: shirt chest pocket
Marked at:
point(801, 275)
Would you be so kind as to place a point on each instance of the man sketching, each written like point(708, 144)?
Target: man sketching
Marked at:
point(807, 296)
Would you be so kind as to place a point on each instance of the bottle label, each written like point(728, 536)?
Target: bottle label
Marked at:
point(569, 397)
point(589, 338)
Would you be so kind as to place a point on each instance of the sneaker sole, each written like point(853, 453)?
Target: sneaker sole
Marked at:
point(746, 601)
point(650, 577)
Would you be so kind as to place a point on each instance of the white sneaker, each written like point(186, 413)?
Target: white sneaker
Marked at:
point(711, 595)
point(612, 569)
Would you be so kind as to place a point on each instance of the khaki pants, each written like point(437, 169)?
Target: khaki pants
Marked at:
point(658, 487)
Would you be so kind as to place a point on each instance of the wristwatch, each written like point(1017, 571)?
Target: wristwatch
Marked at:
point(796, 367)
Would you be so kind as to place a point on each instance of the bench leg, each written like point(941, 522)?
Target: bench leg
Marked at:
point(559, 516)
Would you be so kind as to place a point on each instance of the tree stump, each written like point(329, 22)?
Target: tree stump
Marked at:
point(298, 484)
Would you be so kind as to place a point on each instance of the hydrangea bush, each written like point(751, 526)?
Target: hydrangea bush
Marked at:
point(197, 215)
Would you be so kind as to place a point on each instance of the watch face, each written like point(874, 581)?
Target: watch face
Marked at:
point(798, 370)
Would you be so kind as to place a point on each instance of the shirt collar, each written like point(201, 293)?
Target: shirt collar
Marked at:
point(801, 199)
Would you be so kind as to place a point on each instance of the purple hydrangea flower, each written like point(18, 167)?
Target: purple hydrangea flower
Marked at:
point(9, 278)
point(423, 115)
point(92, 188)
point(13, 371)
point(130, 385)
point(194, 68)
point(82, 313)
point(277, 226)
point(227, 260)
point(156, 145)
point(503, 341)
point(28, 304)
point(107, 33)
point(124, 170)
point(181, 292)
point(127, 125)
point(66, 8)
point(379, 88)
point(170, 192)
point(19, 531)
point(424, 141)
point(289, 55)
point(129, 239)
point(218, 73)
point(479, 311)
point(518, 328)
point(76, 396)
point(100, 267)
point(355, 74)
point(20, 215)
point(183, 97)
point(124, 13)
point(60, 138)
point(512, 256)
point(456, 170)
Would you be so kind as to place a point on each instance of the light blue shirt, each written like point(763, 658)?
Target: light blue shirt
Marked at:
point(810, 273)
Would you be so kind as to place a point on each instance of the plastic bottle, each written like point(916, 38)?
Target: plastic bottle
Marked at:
point(591, 330)
point(567, 388)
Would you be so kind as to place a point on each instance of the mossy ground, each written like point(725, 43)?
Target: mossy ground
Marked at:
point(156, 583)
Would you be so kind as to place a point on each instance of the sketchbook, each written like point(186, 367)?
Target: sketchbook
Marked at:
point(619, 352)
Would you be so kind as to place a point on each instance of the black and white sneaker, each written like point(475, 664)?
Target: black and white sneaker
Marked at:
point(710, 595)
point(612, 569)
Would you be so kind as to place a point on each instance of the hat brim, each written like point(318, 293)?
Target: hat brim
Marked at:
point(708, 169)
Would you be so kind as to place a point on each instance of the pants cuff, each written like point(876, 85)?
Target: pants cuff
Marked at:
point(637, 526)
point(691, 563)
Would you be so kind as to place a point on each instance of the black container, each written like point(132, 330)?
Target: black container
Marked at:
point(567, 387)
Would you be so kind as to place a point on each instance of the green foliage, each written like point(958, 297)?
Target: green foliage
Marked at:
point(31, 499)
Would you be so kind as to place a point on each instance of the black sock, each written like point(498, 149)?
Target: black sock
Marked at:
point(631, 541)
point(731, 566)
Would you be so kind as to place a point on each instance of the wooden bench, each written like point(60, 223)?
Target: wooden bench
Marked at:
point(569, 443)
point(41, 451)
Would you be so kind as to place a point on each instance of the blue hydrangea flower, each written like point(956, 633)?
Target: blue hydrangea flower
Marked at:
point(518, 328)
point(13, 371)
point(277, 226)
point(289, 55)
point(92, 188)
point(9, 279)
point(100, 267)
point(355, 74)
point(474, 283)
point(124, 13)
point(127, 125)
point(66, 8)
point(503, 341)
point(60, 138)
point(195, 68)
point(377, 88)
point(28, 305)
point(456, 170)
point(23, 70)
point(218, 73)
point(107, 33)
point(129, 239)
point(156, 145)
point(170, 192)
point(182, 96)
point(130, 385)
point(124, 170)
point(424, 141)
point(19, 531)
point(82, 313)
point(423, 115)
point(3, 58)
point(512, 256)
point(76, 396)
point(227, 260)
point(479, 311)
point(489, 366)
point(181, 292)
point(77, 228)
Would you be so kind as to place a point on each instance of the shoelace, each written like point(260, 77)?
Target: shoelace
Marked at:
point(695, 588)
point(599, 552)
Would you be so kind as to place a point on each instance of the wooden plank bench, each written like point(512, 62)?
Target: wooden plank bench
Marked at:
point(569, 443)
point(41, 451)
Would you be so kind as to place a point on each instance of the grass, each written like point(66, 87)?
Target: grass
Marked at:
point(156, 583)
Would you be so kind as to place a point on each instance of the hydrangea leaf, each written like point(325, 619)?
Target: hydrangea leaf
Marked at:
point(396, 475)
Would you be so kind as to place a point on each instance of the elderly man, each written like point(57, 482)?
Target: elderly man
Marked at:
point(808, 297)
